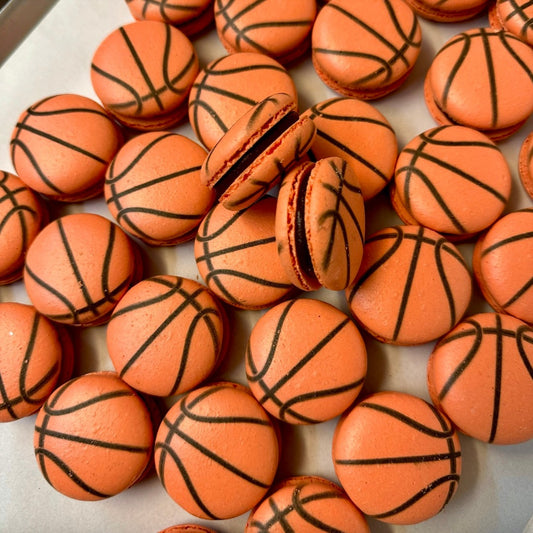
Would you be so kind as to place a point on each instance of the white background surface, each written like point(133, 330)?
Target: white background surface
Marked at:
point(495, 494)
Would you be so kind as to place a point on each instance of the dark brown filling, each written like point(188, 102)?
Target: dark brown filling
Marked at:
point(303, 256)
point(250, 155)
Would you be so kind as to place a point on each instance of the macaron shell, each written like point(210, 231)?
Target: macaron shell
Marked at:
point(61, 146)
point(451, 179)
point(502, 261)
point(92, 266)
point(143, 71)
point(22, 215)
point(514, 17)
point(334, 222)
point(208, 446)
point(166, 335)
point(276, 28)
point(305, 503)
point(448, 10)
point(227, 87)
point(401, 266)
point(236, 255)
point(93, 437)
point(352, 40)
point(356, 131)
point(525, 164)
point(187, 528)
point(490, 104)
point(153, 188)
point(479, 374)
point(397, 457)
point(30, 360)
point(310, 377)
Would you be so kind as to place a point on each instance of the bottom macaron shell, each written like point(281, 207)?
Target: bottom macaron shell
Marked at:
point(525, 164)
point(214, 442)
point(306, 503)
point(454, 11)
point(187, 528)
point(397, 457)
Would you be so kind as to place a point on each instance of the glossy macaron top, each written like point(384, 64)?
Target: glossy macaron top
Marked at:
point(365, 49)
point(514, 16)
point(502, 261)
point(275, 28)
point(413, 285)
point(227, 87)
point(304, 503)
point(61, 146)
point(92, 265)
point(320, 224)
point(214, 441)
point(22, 215)
point(502, 67)
point(479, 374)
point(397, 457)
point(190, 16)
point(359, 133)
point(142, 72)
point(452, 179)
point(153, 188)
point(448, 10)
point(256, 151)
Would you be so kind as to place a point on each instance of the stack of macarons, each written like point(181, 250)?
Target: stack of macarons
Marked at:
point(272, 197)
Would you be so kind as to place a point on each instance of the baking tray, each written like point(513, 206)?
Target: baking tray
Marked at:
point(495, 494)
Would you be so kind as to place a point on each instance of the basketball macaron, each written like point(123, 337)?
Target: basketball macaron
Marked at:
point(78, 268)
point(153, 188)
point(365, 49)
point(215, 441)
point(22, 216)
point(320, 224)
point(93, 437)
point(309, 376)
point(142, 73)
point(502, 65)
point(254, 154)
point(514, 16)
point(166, 335)
point(480, 374)
point(61, 146)
point(397, 457)
point(413, 285)
point(448, 10)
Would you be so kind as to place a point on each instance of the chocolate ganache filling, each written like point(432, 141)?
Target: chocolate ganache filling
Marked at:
point(303, 256)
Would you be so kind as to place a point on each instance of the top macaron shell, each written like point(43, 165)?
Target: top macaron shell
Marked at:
point(502, 66)
point(250, 158)
point(142, 72)
point(276, 28)
point(514, 16)
point(320, 224)
point(365, 49)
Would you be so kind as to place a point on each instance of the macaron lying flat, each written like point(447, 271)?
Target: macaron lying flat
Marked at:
point(253, 155)
point(320, 224)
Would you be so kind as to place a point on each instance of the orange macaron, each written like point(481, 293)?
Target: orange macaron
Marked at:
point(311, 376)
point(227, 87)
point(502, 66)
point(502, 264)
point(36, 357)
point(275, 28)
point(61, 146)
point(514, 16)
point(480, 375)
point(167, 335)
point(401, 267)
point(187, 528)
point(307, 503)
point(142, 73)
point(452, 179)
point(320, 224)
point(236, 255)
point(92, 265)
point(93, 437)
point(254, 154)
point(397, 457)
point(216, 441)
point(153, 189)
point(22, 216)
point(525, 164)
point(365, 49)
point(448, 10)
